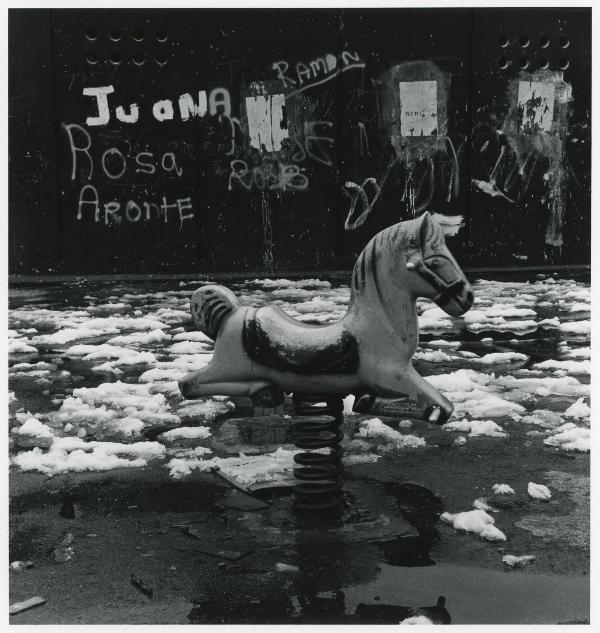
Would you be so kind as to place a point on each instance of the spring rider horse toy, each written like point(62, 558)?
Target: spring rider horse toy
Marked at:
point(263, 353)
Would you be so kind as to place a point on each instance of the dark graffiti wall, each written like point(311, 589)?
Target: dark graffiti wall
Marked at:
point(273, 140)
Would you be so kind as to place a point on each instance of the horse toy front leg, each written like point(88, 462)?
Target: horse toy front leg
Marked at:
point(416, 399)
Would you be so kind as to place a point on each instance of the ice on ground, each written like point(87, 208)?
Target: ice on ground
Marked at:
point(570, 366)
point(433, 356)
point(517, 561)
point(19, 346)
point(476, 428)
point(186, 432)
point(189, 347)
point(73, 454)
point(348, 404)
point(460, 441)
point(122, 395)
point(496, 358)
point(196, 336)
point(541, 417)
point(571, 438)
point(577, 327)
point(207, 410)
point(287, 283)
point(502, 489)
point(416, 619)
point(376, 429)
point(579, 353)
point(140, 338)
point(244, 469)
point(538, 491)
point(481, 504)
point(441, 343)
point(476, 521)
point(33, 427)
point(579, 410)
point(579, 307)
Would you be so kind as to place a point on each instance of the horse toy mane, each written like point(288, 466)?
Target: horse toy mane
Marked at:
point(263, 352)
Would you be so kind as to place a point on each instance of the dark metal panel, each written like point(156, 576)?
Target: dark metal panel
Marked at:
point(397, 173)
point(33, 227)
point(531, 136)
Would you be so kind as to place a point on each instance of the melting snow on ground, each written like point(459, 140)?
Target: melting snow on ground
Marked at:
point(90, 377)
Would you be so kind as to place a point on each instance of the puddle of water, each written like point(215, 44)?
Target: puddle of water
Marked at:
point(477, 595)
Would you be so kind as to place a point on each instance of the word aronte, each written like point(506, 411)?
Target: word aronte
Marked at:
point(218, 101)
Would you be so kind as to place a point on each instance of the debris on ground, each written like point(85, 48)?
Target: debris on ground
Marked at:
point(517, 561)
point(502, 489)
point(212, 549)
point(284, 567)
point(64, 551)
point(476, 521)
point(18, 607)
point(237, 500)
point(538, 491)
point(19, 565)
point(138, 584)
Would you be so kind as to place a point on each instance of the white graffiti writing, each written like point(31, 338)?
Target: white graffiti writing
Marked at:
point(270, 175)
point(216, 102)
point(305, 75)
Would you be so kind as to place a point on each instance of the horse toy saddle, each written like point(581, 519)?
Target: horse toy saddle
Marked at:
point(263, 352)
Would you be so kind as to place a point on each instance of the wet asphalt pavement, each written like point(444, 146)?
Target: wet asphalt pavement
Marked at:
point(135, 545)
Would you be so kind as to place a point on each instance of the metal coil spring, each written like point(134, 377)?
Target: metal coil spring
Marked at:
point(319, 475)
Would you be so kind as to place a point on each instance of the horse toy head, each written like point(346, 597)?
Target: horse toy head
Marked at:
point(263, 351)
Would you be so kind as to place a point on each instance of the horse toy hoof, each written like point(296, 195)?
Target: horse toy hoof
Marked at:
point(263, 352)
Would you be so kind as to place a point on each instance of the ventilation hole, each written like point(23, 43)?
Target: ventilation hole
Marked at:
point(564, 41)
point(115, 58)
point(91, 33)
point(92, 58)
point(502, 62)
point(161, 59)
point(138, 35)
point(139, 59)
point(114, 34)
point(523, 41)
point(161, 36)
point(544, 41)
point(524, 63)
point(563, 62)
point(543, 63)
point(503, 41)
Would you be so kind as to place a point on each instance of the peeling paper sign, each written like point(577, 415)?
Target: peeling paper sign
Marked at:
point(267, 122)
point(418, 108)
point(535, 102)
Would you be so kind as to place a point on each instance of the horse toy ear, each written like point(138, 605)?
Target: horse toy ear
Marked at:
point(428, 230)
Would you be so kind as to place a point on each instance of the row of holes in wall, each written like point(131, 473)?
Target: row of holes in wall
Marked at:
point(116, 59)
point(543, 63)
point(137, 35)
point(525, 41)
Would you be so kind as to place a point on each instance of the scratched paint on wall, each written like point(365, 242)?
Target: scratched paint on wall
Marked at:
point(418, 108)
point(535, 106)
point(267, 121)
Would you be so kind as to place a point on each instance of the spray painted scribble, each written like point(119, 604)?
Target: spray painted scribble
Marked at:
point(529, 146)
point(413, 99)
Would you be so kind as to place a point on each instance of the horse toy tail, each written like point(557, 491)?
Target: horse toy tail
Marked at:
point(210, 305)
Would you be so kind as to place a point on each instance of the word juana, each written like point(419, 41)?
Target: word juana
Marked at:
point(217, 102)
point(317, 71)
point(114, 212)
